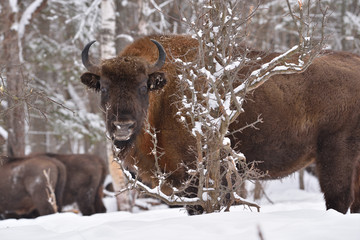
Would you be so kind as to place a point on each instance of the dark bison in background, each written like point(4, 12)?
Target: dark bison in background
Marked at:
point(23, 185)
point(311, 116)
point(84, 183)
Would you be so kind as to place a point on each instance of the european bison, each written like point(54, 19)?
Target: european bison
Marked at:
point(311, 116)
point(84, 183)
point(23, 185)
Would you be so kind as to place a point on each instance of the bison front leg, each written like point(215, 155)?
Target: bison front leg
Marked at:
point(355, 206)
point(86, 201)
point(336, 159)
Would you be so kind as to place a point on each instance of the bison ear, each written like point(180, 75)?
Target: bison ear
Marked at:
point(91, 80)
point(156, 81)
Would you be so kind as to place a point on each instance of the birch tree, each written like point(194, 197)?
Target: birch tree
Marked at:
point(14, 81)
point(108, 50)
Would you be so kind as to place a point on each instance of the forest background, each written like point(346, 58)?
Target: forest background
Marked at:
point(44, 106)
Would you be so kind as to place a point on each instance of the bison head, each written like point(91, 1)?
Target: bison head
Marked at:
point(124, 83)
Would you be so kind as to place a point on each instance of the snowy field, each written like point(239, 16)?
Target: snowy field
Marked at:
point(295, 215)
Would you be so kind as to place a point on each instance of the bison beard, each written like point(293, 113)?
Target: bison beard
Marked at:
point(123, 146)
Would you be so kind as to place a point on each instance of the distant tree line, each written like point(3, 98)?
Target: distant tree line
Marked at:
point(43, 105)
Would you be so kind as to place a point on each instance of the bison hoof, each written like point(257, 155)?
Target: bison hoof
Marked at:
point(194, 210)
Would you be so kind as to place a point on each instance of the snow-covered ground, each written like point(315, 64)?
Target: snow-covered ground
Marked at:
point(294, 215)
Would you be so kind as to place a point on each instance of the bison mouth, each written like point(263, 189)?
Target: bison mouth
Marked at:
point(122, 134)
point(123, 130)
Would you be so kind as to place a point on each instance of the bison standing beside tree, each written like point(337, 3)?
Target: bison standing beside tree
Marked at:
point(24, 187)
point(311, 116)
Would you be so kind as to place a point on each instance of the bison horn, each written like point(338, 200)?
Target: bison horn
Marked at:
point(161, 60)
point(85, 60)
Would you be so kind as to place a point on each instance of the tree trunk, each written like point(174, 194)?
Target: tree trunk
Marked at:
point(301, 179)
point(343, 25)
point(108, 50)
point(15, 117)
point(257, 190)
point(213, 181)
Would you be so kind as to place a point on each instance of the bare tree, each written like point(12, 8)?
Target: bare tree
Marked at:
point(108, 50)
point(225, 80)
point(15, 19)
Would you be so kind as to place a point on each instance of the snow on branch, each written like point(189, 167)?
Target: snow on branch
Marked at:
point(281, 64)
point(14, 5)
point(50, 190)
point(24, 21)
point(90, 12)
point(26, 16)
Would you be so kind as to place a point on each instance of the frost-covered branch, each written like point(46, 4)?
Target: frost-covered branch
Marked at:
point(88, 16)
point(50, 191)
point(25, 20)
point(214, 86)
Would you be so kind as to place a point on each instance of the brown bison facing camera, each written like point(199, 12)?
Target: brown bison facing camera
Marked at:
point(84, 182)
point(23, 185)
point(311, 116)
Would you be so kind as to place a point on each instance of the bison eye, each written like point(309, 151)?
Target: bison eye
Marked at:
point(104, 94)
point(103, 90)
point(143, 90)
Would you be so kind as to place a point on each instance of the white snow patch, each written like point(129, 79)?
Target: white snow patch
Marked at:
point(125, 36)
point(3, 132)
point(295, 215)
point(226, 141)
point(14, 5)
point(232, 66)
